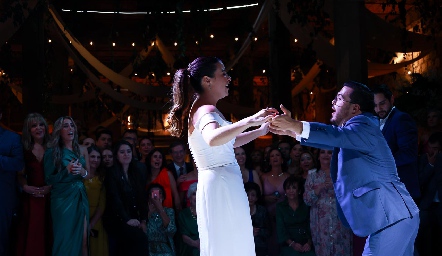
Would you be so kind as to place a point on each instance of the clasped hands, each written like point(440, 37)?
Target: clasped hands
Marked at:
point(281, 124)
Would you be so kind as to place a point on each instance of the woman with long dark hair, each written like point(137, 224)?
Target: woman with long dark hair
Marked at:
point(224, 221)
point(126, 207)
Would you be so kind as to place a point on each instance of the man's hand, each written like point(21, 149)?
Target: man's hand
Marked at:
point(284, 124)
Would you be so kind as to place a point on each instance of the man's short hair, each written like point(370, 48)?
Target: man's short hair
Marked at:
point(101, 131)
point(383, 88)
point(176, 143)
point(361, 95)
point(133, 131)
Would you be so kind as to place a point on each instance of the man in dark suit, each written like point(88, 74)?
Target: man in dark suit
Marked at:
point(178, 167)
point(430, 179)
point(400, 131)
point(11, 162)
point(372, 201)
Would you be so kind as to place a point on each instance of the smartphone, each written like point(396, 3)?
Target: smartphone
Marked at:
point(94, 232)
point(155, 193)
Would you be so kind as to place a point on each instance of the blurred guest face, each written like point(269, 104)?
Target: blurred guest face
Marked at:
point(192, 199)
point(285, 149)
point(124, 154)
point(295, 153)
point(240, 156)
point(266, 150)
point(432, 119)
point(325, 157)
point(104, 141)
point(306, 162)
point(38, 130)
point(145, 147)
point(433, 148)
point(292, 191)
point(275, 158)
point(88, 141)
point(156, 160)
point(131, 138)
point(256, 156)
point(67, 130)
point(178, 154)
point(108, 158)
point(94, 159)
point(253, 197)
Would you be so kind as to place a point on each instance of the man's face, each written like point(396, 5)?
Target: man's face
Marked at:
point(178, 154)
point(285, 149)
point(432, 119)
point(382, 105)
point(104, 141)
point(433, 148)
point(341, 106)
point(131, 138)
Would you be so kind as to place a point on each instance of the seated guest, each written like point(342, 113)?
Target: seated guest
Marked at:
point(188, 226)
point(96, 195)
point(293, 222)
point(330, 237)
point(248, 175)
point(160, 223)
point(126, 210)
point(259, 218)
point(157, 173)
point(145, 146)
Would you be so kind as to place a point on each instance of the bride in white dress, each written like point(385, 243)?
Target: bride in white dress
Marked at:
point(223, 213)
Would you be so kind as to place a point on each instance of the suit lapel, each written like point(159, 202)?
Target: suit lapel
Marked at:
point(388, 122)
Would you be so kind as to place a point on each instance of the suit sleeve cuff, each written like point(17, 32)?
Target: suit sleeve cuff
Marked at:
point(305, 131)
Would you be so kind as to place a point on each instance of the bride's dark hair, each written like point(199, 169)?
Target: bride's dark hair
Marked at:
point(186, 85)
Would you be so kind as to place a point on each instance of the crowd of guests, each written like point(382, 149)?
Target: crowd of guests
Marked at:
point(120, 196)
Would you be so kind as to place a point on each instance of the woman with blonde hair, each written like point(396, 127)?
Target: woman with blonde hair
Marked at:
point(65, 167)
point(34, 226)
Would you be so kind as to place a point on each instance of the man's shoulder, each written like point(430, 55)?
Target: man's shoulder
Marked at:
point(8, 134)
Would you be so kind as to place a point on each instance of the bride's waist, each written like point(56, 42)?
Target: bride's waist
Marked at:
point(208, 166)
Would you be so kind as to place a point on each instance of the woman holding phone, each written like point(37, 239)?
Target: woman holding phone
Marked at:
point(161, 223)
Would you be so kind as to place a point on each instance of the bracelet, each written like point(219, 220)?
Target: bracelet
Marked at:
point(84, 176)
point(291, 243)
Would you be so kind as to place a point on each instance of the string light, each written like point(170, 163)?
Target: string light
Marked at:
point(153, 43)
point(133, 44)
point(113, 44)
point(263, 71)
point(296, 40)
point(196, 42)
point(135, 74)
point(50, 41)
point(91, 43)
point(168, 73)
point(236, 38)
point(409, 72)
point(256, 39)
point(212, 36)
point(175, 44)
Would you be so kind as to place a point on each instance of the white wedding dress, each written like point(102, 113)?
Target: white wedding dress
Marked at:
point(223, 213)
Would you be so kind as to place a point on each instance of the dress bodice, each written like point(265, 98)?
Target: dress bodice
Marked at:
point(210, 156)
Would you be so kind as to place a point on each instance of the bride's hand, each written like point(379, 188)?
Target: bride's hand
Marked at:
point(264, 115)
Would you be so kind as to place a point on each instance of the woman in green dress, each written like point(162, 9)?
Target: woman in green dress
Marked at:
point(188, 227)
point(65, 167)
point(293, 221)
point(160, 223)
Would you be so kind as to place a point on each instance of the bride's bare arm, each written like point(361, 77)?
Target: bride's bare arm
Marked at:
point(246, 137)
point(215, 135)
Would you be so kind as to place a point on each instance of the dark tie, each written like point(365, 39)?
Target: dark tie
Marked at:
point(180, 171)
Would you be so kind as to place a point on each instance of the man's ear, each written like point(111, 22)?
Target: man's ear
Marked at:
point(392, 100)
point(356, 108)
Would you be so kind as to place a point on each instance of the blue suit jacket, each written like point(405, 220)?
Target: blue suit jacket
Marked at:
point(400, 131)
point(369, 193)
point(430, 178)
point(11, 161)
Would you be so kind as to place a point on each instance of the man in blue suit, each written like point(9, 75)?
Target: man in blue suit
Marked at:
point(11, 161)
point(400, 131)
point(371, 199)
